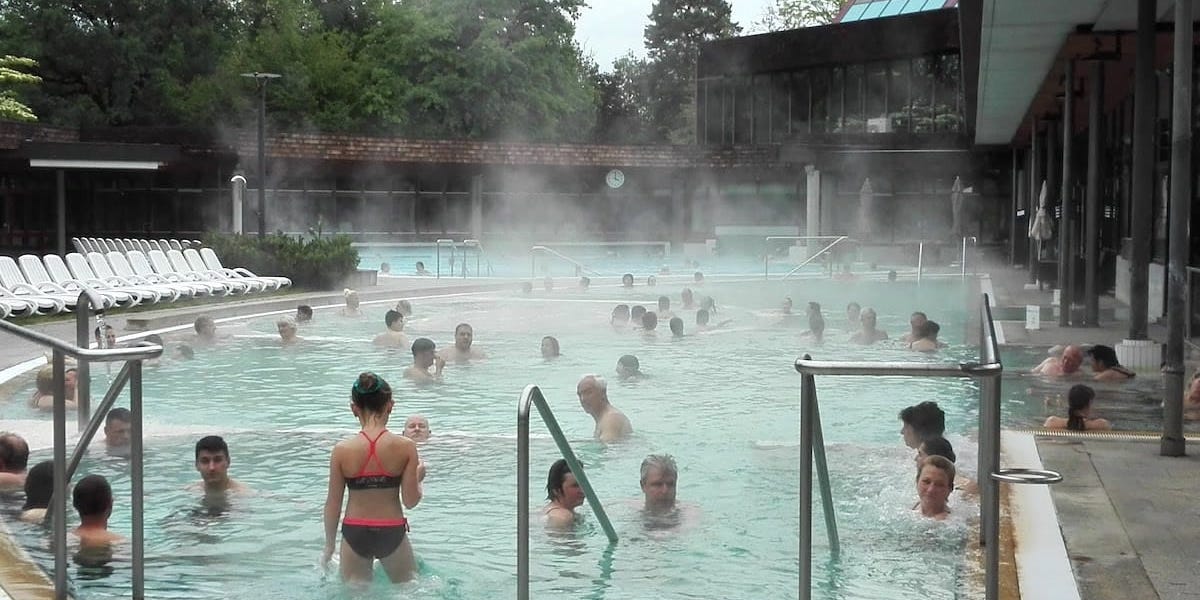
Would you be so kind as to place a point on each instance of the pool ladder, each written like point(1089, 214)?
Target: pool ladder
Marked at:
point(89, 424)
point(532, 397)
point(580, 268)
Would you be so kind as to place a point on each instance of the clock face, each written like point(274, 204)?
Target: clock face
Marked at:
point(615, 178)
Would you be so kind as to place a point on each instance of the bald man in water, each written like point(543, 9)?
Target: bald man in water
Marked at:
point(1066, 365)
point(611, 424)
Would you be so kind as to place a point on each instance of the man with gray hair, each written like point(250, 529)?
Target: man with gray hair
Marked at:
point(14, 458)
point(611, 424)
point(659, 474)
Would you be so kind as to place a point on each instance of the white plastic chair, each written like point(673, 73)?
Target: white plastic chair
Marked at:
point(197, 265)
point(158, 263)
point(214, 263)
point(77, 267)
point(120, 265)
point(38, 276)
point(15, 286)
point(180, 265)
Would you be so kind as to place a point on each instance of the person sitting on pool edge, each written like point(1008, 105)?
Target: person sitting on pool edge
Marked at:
point(1061, 366)
point(1107, 367)
point(394, 336)
point(921, 422)
point(416, 428)
point(212, 462)
point(425, 355)
point(868, 334)
point(93, 499)
point(1079, 412)
point(304, 313)
point(628, 367)
point(564, 495)
point(611, 424)
point(935, 481)
point(381, 473)
point(461, 351)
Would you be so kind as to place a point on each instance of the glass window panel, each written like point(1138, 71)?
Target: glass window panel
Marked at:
point(873, 9)
point(913, 6)
point(799, 104)
point(899, 107)
point(855, 13)
point(836, 98)
point(743, 111)
point(876, 98)
point(933, 4)
point(947, 93)
point(780, 102)
point(922, 95)
point(893, 8)
point(852, 119)
point(762, 109)
point(819, 78)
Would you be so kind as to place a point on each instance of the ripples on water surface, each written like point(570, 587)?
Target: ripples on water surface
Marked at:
point(724, 403)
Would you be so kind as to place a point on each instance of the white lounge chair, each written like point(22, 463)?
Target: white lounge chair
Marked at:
point(15, 285)
point(122, 267)
point(197, 264)
point(181, 266)
point(214, 263)
point(38, 276)
point(77, 266)
point(157, 262)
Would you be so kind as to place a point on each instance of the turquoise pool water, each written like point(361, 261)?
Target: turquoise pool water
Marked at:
point(724, 403)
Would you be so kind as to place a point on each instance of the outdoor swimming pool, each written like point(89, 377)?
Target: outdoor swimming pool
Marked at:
point(724, 403)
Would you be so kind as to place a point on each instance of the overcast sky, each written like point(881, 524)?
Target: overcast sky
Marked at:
point(610, 28)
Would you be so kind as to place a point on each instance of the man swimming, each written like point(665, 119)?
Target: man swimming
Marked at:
point(628, 367)
point(117, 425)
point(287, 332)
point(394, 336)
point(425, 355)
point(212, 461)
point(611, 424)
point(915, 323)
point(462, 351)
point(868, 334)
point(1066, 365)
point(206, 330)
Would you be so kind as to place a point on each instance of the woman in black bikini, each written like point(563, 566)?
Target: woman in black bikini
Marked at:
point(380, 469)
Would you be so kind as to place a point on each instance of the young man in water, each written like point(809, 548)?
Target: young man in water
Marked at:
point(212, 462)
point(628, 367)
point(117, 424)
point(93, 498)
point(462, 351)
point(611, 424)
point(304, 313)
point(664, 308)
point(109, 339)
point(394, 336)
point(425, 355)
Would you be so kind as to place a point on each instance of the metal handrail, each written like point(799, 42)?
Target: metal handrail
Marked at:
point(770, 238)
point(811, 430)
point(920, 259)
point(532, 396)
point(987, 372)
point(580, 268)
point(478, 246)
point(134, 356)
point(438, 256)
point(963, 260)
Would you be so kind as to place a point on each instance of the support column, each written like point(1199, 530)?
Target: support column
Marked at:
point(1015, 204)
point(1091, 213)
point(679, 206)
point(60, 178)
point(1142, 205)
point(813, 207)
point(1173, 443)
point(477, 206)
point(1066, 229)
point(1035, 182)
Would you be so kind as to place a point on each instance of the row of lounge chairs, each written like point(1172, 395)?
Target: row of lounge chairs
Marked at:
point(106, 245)
point(32, 285)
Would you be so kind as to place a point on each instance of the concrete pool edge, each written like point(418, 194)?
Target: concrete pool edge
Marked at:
point(1044, 570)
point(20, 577)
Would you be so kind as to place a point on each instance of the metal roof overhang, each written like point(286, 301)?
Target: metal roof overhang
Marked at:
point(1019, 42)
point(97, 156)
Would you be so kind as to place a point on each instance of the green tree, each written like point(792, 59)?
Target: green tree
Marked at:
point(793, 14)
point(623, 115)
point(673, 38)
point(11, 74)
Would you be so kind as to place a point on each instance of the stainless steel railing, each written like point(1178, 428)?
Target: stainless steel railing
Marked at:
point(438, 256)
point(580, 268)
point(988, 373)
point(963, 260)
point(478, 246)
point(532, 396)
point(837, 239)
point(133, 358)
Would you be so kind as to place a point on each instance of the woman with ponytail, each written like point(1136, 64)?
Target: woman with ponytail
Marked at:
point(1079, 412)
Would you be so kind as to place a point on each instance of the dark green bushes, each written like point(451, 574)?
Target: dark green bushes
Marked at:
point(316, 264)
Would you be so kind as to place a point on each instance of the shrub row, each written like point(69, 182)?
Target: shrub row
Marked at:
point(317, 264)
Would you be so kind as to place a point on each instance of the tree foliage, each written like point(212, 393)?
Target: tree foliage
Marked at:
point(12, 73)
point(793, 14)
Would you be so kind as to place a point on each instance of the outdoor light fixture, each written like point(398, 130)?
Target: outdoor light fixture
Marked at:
point(262, 79)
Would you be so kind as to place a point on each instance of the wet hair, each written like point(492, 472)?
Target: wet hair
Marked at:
point(118, 414)
point(553, 342)
point(676, 325)
point(930, 330)
point(45, 380)
point(702, 317)
point(286, 322)
point(404, 307)
point(630, 362)
point(620, 311)
point(854, 305)
point(92, 496)
point(186, 351)
point(649, 321)
point(304, 311)
point(1105, 355)
point(664, 303)
point(651, 281)
point(39, 485)
point(212, 443)
point(370, 392)
point(556, 478)
point(1079, 398)
point(637, 311)
point(665, 463)
point(203, 322)
point(941, 463)
point(698, 276)
point(106, 328)
point(926, 419)
point(939, 446)
point(391, 317)
point(627, 279)
point(420, 345)
point(14, 452)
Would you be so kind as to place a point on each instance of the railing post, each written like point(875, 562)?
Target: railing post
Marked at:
point(59, 510)
point(83, 384)
point(523, 498)
point(136, 464)
point(920, 259)
point(807, 390)
point(963, 260)
point(990, 498)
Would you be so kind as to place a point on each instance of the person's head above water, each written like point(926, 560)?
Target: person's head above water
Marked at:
point(39, 485)
point(651, 281)
point(394, 320)
point(664, 304)
point(635, 314)
point(1079, 404)
point(649, 321)
point(620, 314)
point(464, 336)
point(416, 428)
point(370, 396)
point(404, 307)
point(550, 347)
point(526, 287)
point(698, 277)
point(921, 422)
point(424, 352)
point(891, 275)
point(929, 330)
point(627, 280)
point(286, 328)
point(628, 366)
point(702, 317)
point(14, 453)
point(676, 325)
point(117, 425)
point(936, 446)
point(204, 326)
point(93, 498)
point(593, 394)
point(687, 297)
point(304, 313)
point(853, 312)
point(585, 283)
point(868, 318)
point(212, 460)
point(351, 298)
point(421, 267)
point(787, 305)
point(659, 476)
point(106, 336)
point(561, 487)
point(1103, 357)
